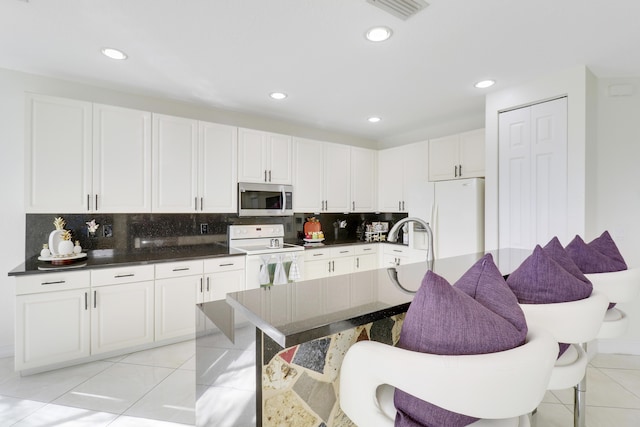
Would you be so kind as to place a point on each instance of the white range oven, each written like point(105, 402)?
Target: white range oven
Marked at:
point(269, 260)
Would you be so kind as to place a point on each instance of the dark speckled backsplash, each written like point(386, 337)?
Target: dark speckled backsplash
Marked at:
point(132, 232)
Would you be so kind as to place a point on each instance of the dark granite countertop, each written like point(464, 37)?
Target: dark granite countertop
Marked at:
point(106, 258)
point(299, 312)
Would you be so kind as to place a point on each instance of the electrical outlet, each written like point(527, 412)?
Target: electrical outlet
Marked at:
point(107, 230)
point(204, 228)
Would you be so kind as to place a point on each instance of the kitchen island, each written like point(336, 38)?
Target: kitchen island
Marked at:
point(272, 356)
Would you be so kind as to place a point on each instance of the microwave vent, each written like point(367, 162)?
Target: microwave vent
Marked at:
point(403, 9)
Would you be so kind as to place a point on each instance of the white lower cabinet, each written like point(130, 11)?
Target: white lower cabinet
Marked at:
point(394, 254)
point(177, 288)
point(122, 316)
point(365, 257)
point(222, 275)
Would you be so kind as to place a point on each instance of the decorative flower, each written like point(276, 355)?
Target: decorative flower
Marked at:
point(59, 223)
point(92, 226)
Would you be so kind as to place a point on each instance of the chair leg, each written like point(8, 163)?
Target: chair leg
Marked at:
point(579, 399)
point(534, 418)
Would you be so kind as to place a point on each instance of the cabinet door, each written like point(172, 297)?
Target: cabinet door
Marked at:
point(122, 316)
point(218, 285)
point(337, 188)
point(365, 262)
point(121, 159)
point(342, 265)
point(443, 158)
point(252, 155)
point(280, 155)
point(175, 146)
point(51, 327)
point(308, 175)
point(316, 269)
point(471, 154)
point(175, 306)
point(58, 155)
point(217, 168)
point(363, 179)
point(390, 180)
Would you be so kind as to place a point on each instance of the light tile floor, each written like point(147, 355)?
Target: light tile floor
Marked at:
point(157, 388)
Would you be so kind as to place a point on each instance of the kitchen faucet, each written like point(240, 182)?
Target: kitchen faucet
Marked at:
point(393, 234)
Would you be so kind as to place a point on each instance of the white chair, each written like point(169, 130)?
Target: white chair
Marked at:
point(617, 286)
point(573, 322)
point(500, 388)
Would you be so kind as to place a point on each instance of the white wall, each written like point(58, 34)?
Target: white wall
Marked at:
point(617, 182)
point(13, 86)
point(604, 177)
point(579, 86)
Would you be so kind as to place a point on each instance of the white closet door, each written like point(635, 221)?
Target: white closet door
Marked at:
point(532, 187)
point(549, 166)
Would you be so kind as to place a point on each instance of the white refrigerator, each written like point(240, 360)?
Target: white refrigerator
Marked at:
point(456, 216)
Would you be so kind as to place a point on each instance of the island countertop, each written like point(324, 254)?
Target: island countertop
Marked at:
point(300, 312)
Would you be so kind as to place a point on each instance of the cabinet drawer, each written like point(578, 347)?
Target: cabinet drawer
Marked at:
point(365, 249)
point(178, 269)
point(52, 282)
point(316, 254)
point(342, 251)
point(113, 276)
point(397, 250)
point(215, 265)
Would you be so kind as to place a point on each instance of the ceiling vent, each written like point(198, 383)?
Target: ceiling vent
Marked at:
point(403, 9)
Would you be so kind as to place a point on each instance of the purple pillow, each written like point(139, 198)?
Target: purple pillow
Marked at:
point(555, 250)
point(478, 315)
point(542, 280)
point(601, 255)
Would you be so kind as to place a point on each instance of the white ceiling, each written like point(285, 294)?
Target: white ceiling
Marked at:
point(231, 53)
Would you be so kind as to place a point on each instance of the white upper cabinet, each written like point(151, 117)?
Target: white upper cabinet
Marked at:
point(363, 179)
point(194, 166)
point(121, 159)
point(457, 156)
point(322, 177)
point(217, 166)
point(84, 157)
point(402, 175)
point(264, 157)
point(57, 155)
point(175, 163)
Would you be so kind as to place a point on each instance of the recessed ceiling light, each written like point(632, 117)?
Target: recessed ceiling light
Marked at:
point(378, 34)
point(278, 95)
point(374, 119)
point(113, 53)
point(485, 84)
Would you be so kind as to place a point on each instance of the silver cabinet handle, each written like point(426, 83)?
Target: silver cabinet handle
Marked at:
point(333, 266)
point(329, 266)
point(201, 285)
point(357, 262)
point(86, 301)
point(119, 276)
point(207, 284)
point(397, 250)
point(344, 252)
point(226, 265)
point(403, 205)
point(265, 175)
point(399, 205)
point(181, 269)
point(195, 203)
point(96, 202)
point(88, 202)
point(459, 170)
point(353, 206)
point(367, 249)
point(95, 299)
point(317, 254)
point(269, 175)
point(58, 282)
point(201, 203)
point(455, 171)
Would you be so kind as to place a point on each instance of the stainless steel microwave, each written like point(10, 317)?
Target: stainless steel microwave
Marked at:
point(264, 199)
